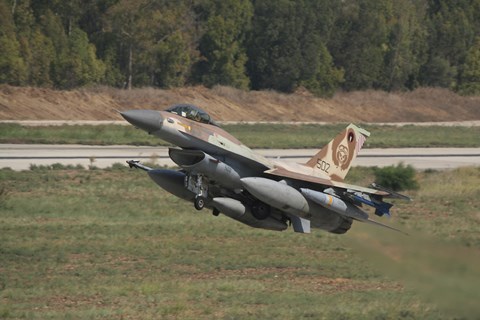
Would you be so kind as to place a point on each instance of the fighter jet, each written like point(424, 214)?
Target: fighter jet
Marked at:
point(220, 173)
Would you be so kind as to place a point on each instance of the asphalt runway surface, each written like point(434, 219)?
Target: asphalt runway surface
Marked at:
point(22, 156)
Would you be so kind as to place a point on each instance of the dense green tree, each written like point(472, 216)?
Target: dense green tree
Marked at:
point(318, 73)
point(362, 42)
point(172, 61)
point(23, 18)
point(79, 65)
point(324, 78)
point(274, 47)
point(124, 21)
point(13, 69)
point(149, 32)
point(94, 22)
point(406, 50)
point(270, 44)
point(42, 59)
point(24, 22)
point(169, 48)
point(74, 62)
point(70, 12)
point(438, 72)
point(470, 75)
point(52, 28)
point(221, 46)
point(36, 48)
point(287, 47)
point(451, 30)
point(111, 57)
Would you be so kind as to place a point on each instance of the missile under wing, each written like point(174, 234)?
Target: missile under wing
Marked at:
point(220, 173)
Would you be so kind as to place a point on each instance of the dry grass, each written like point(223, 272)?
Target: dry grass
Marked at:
point(109, 244)
point(229, 104)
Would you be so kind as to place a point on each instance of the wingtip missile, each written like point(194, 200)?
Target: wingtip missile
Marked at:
point(391, 193)
point(137, 165)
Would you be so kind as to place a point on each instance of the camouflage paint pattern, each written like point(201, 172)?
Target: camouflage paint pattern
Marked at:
point(325, 170)
point(213, 135)
point(335, 159)
point(328, 167)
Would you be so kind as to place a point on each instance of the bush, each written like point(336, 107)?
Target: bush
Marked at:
point(55, 166)
point(397, 178)
point(117, 166)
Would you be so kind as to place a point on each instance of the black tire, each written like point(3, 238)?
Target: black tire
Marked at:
point(215, 212)
point(260, 210)
point(199, 203)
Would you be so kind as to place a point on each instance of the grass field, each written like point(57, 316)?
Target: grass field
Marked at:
point(110, 244)
point(254, 136)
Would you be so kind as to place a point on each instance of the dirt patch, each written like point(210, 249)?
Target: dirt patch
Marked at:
point(228, 104)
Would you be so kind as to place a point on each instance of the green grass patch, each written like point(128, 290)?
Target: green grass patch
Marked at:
point(111, 244)
point(254, 136)
point(76, 134)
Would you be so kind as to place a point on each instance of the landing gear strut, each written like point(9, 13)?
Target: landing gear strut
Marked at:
point(197, 184)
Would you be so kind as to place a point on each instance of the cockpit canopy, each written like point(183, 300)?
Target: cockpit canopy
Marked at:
point(191, 112)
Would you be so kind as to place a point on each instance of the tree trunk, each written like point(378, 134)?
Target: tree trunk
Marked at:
point(130, 64)
point(14, 5)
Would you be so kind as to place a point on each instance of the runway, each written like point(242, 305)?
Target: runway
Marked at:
point(22, 156)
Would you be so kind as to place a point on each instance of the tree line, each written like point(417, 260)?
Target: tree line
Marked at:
point(321, 45)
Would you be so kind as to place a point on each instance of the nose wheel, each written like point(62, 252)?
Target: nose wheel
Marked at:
point(199, 202)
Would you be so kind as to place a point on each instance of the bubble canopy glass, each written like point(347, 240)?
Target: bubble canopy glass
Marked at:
point(191, 112)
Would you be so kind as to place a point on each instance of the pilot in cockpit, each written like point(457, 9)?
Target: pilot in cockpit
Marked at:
point(191, 112)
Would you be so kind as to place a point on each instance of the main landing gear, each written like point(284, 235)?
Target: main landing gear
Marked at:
point(260, 210)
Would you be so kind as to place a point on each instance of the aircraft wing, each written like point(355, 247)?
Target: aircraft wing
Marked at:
point(284, 173)
point(221, 148)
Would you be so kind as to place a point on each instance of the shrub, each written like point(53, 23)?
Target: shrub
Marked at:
point(397, 178)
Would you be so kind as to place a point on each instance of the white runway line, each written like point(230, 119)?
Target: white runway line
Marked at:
point(21, 156)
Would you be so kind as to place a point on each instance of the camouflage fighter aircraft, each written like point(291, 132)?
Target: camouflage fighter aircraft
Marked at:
point(220, 173)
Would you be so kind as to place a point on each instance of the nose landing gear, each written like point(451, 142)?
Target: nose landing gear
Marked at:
point(199, 202)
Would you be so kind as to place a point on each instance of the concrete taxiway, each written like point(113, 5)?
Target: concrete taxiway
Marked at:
point(22, 156)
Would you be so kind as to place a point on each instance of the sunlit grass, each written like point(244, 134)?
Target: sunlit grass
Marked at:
point(254, 136)
point(111, 244)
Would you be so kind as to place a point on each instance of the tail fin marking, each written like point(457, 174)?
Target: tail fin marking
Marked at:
point(336, 157)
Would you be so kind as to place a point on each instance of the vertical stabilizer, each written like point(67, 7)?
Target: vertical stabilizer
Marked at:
point(335, 159)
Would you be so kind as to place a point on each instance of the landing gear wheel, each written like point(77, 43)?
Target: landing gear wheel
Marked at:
point(215, 212)
point(199, 202)
point(260, 210)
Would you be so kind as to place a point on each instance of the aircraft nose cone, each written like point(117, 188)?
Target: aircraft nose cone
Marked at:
point(148, 120)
